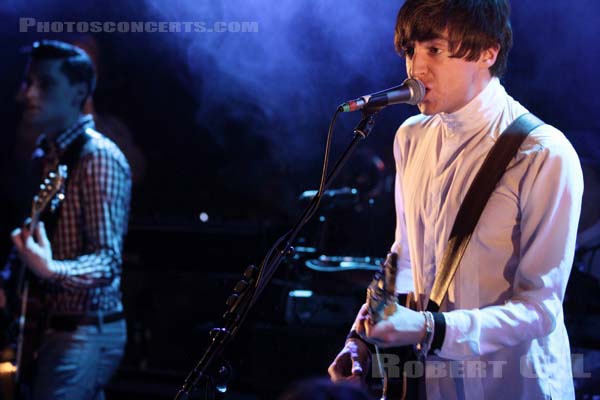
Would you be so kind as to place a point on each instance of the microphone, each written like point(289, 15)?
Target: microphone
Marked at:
point(411, 91)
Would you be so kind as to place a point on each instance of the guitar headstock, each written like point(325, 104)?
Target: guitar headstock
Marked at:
point(381, 293)
point(51, 193)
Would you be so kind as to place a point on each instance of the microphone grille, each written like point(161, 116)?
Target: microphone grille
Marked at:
point(417, 90)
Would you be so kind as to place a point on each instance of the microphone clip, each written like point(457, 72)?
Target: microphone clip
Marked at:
point(367, 122)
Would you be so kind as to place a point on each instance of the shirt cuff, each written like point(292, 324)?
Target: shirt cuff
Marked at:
point(59, 270)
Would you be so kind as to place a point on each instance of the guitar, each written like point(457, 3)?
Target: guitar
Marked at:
point(381, 293)
point(382, 302)
point(49, 197)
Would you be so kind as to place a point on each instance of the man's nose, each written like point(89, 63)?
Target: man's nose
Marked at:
point(418, 65)
point(29, 92)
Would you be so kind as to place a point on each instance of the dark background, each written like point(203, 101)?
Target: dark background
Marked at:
point(234, 125)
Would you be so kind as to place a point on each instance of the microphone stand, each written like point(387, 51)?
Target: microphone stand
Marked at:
point(244, 297)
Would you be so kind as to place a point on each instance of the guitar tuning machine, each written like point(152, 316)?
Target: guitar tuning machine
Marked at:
point(231, 300)
point(250, 272)
point(240, 286)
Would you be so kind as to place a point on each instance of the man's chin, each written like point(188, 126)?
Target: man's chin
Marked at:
point(30, 115)
point(33, 118)
point(427, 109)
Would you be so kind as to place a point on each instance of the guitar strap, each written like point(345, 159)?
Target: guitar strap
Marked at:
point(70, 157)
point(475, 200)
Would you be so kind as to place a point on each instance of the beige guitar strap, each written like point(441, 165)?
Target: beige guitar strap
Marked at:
point(475, 200)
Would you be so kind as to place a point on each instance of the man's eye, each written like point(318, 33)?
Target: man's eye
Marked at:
point(435, 50)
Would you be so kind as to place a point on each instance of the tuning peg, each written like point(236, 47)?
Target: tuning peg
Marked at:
point(232, 299)
point(250, 271)
point(240, 286)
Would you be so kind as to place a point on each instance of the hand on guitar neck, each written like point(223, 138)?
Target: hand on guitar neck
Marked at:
point(31, 241)
point(382, 321)
point(32, 246)
point(34, 249)
point(403, 327)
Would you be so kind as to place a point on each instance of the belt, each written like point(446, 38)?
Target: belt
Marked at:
point(70, 322)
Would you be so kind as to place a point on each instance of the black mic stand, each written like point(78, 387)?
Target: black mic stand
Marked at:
point(245, 293)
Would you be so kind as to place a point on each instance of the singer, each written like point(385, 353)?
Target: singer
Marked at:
point(502, 313)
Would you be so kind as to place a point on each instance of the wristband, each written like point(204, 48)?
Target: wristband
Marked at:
point(422, 348)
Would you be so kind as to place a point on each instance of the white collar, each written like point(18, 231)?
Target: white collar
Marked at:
point(477, 113)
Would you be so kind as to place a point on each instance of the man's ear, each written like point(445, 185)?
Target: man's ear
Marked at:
point(81, 92)
point(488, 56)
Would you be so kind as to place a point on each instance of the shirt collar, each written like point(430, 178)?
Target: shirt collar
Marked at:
point(63, 139)
point(476, 113)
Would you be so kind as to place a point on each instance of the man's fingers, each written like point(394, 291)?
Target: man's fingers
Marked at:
point(17, 238)
point(354, 357)
point(337, 376)
point(357, 369)
point(334, 374)
point(40, 235)
point(362, 324)
point(24, 232)
point(364, 310)
point(346, 365)
point(331, 372)
point(37, 232)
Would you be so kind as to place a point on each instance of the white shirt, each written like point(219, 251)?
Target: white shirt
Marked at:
point(503, 311)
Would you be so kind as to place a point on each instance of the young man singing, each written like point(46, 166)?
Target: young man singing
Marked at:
point(501, 325)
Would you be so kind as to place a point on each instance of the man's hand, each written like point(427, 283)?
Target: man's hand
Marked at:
point(404, 327)
point(352, 363)
point(35, 253)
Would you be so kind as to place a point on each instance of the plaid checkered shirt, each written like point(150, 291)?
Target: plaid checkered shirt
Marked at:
point(87, 242)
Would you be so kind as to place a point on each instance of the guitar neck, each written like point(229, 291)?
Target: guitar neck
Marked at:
point(32, 222)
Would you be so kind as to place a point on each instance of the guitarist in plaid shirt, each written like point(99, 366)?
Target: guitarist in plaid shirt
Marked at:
point(79, 262)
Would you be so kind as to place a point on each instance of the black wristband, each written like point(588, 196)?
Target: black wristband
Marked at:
point(439, 331)
point(354, 335)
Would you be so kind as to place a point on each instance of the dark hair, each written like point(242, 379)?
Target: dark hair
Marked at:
point(77, 65)
point(473, 26)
